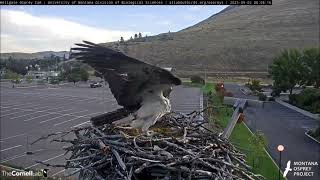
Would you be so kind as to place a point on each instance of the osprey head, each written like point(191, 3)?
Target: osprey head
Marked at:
point(176, 81)
point(167, 78)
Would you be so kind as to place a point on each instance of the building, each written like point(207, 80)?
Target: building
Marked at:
point(43, 75)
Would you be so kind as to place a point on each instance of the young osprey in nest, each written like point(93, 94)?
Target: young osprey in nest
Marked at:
point(137, 86)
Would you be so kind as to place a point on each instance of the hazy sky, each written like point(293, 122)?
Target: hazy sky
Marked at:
point(41, 28)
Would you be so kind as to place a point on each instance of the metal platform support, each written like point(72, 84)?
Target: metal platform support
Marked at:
point(239, 105)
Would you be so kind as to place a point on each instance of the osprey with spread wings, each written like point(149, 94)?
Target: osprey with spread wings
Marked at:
point(139, 87)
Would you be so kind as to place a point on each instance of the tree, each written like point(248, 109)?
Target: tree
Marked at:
point(197, 79)
point(84, 75)
point(74, 77)
point(121, 40)
point(287, 70)
point(135, 36)
point(77, 74)
point(13, 76)
point(258, 142)
point(140, 35)
point(29, 78)
point(131, 38)
point(17, 66)
point(311, 60)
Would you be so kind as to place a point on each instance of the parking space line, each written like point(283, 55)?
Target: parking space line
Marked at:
point(2, 150)
point(77, 97)
point(88, 100)
point(76, 118)
point(47, 97)
point(58, 96)
point(6, 110)
point(80, 124)
point(26, 110)
point(48, 113)
point(9, 114)
point(58, 172)
point(41, 111)
point(18, 156)
point(45, 161)
point(10, 137)
point(14, 157)
point(61, 116)
point(14, 105)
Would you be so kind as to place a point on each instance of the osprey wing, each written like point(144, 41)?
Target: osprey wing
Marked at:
point(127, 77)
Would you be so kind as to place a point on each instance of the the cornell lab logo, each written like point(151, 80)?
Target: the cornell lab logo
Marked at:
point(45, 172)
point(300, 168)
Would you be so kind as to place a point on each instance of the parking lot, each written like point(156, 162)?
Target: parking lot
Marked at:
point(28, 113)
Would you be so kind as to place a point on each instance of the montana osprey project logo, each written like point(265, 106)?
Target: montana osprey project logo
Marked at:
point(300, 168)
point(287, 169)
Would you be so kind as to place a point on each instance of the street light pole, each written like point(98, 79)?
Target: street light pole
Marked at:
point(280, 149)
point(279, 164)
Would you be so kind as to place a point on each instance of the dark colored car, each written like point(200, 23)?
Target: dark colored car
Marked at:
point(95, 85)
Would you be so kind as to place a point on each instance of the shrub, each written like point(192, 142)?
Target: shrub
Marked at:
point(271, 99)
point(255, 85)
point(262, 97)
point(315, 133)
point(197, 80)
point(308, 99)
point(228, 94)
point(29, 78)
point(275, 91)
point(54, 80)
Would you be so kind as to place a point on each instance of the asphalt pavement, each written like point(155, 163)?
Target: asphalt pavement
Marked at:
point(28, 113)
point(285, 126)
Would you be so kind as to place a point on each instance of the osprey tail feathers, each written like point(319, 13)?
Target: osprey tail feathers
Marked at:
point(110, 117)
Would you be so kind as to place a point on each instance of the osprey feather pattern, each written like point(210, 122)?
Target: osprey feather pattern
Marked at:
point(137, 86)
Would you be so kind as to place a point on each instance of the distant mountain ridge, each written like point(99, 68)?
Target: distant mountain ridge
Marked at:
point(37, 55)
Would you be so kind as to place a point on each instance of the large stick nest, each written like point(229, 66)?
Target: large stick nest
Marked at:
point(177, 147)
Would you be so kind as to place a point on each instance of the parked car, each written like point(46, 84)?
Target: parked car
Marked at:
point(95, 85)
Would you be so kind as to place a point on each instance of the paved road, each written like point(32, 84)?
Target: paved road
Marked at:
point(29, 113)
point(282, 125)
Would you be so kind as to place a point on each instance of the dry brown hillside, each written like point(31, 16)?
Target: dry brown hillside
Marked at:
point(240, 38)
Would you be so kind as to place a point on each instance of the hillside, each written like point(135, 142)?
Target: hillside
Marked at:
point(239, 38)
point(37, 55)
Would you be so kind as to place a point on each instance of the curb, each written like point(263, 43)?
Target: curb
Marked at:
point(306, 133)
point(304, 112)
